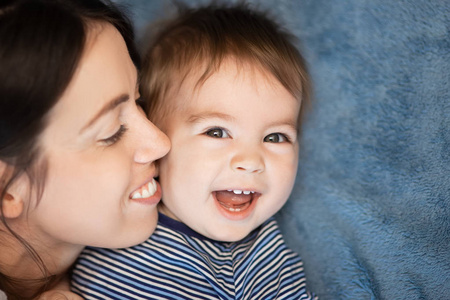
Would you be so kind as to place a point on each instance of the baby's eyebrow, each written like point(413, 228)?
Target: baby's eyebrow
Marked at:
point(289, 123)
point(209, 115)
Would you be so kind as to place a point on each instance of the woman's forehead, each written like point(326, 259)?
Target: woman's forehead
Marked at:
point(105, 72)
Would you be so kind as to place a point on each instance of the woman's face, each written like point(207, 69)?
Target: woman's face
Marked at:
point(100, 149)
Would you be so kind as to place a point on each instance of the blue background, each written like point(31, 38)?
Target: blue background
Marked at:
point(370, 212)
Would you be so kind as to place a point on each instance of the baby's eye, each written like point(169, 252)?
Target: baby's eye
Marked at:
point(217, 133)
point(276, 138)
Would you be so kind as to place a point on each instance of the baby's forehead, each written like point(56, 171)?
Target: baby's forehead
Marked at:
point(187, 85)
point(235, 70)
point(224, 83)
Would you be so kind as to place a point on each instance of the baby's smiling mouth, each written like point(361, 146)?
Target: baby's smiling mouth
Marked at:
point(235, 200)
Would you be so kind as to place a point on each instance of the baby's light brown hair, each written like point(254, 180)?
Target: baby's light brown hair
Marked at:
point(199, 39)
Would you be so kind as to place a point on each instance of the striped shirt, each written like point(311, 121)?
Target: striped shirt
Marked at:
point(178, 263)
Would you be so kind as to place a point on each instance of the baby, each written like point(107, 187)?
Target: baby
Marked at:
point(227, 85)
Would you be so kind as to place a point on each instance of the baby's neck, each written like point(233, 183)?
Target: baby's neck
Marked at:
point(167, 212)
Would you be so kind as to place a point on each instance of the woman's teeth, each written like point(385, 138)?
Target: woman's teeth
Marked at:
point(145, 191)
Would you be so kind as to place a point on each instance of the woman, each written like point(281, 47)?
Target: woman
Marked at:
point(76, 152)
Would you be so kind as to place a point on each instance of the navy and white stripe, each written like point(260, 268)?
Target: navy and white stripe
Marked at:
point(177, 263)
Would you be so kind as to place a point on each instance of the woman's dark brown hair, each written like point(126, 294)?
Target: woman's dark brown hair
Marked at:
point(42, 42)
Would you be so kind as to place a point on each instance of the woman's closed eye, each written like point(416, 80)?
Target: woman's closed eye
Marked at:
point(217, 132)
point(276, 138)
point(115, 137)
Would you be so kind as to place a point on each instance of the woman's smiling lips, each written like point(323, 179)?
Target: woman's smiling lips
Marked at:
point(148, 193)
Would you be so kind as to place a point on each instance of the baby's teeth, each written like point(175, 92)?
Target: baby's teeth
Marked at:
point(238, 192)
point(233, 209)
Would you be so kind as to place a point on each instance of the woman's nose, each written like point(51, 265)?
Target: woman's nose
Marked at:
point(153, 143)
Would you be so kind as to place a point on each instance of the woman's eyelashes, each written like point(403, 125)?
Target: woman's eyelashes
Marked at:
point(115, 137)
point(140, 103)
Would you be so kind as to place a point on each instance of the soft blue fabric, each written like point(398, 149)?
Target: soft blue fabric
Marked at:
point(370, 212)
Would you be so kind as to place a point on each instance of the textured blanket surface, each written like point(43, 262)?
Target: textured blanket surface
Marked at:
point(370, 212)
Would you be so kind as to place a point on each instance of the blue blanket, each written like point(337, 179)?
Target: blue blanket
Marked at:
point(370, 212)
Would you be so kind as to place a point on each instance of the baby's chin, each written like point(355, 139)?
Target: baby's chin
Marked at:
point(231, 234)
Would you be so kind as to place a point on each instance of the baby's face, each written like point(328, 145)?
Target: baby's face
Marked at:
point(234, 152)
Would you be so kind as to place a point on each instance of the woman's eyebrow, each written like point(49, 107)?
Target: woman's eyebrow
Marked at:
point(105, 109)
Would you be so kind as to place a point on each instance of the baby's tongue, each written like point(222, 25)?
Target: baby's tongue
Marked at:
point(230, 198)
